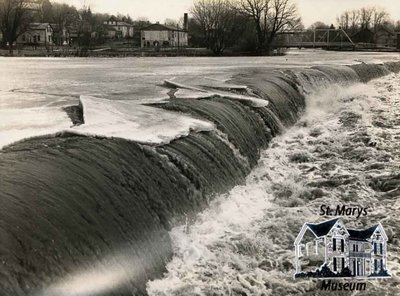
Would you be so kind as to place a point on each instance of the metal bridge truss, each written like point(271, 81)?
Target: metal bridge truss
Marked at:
point(318, 38)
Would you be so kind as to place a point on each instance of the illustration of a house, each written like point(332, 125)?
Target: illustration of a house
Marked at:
point(329, 249)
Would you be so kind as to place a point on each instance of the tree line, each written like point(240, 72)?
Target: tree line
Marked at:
point(248, 25)
point(365, 18)
point(243, 25)
point(16, 15)
point(254, 25)
point(352, 21)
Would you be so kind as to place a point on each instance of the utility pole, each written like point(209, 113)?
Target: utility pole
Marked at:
point(328, 38)
point(314, 37)
point(177, 26)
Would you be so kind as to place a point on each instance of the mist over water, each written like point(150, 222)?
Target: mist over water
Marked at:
point(95, 208)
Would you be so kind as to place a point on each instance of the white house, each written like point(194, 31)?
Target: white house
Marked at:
point(157, 35)
point(118, 29)
point(38, 34)
point(330, 243)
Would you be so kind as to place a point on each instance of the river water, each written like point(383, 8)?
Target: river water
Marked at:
point(189, 176)
point(343, 151)
point(34, 90)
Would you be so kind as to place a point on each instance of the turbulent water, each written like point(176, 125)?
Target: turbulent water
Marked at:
point(94, 208)
point(344, 150)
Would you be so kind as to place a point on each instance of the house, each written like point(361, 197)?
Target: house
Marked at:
point(381, 37)
point(385, 37)
point(38, 34)
point(157, 35)
point(113, 33)
point(117, 29)
point(365, 35)
point(361, 253)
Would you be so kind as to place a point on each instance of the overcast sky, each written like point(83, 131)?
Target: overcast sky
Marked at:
point(158, 10)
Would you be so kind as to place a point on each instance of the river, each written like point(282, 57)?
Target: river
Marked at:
point(190, 176)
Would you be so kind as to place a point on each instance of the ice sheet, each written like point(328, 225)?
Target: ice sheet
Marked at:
point(39, 85)
point(136, 122)
point(17, 124)
point(194, 87)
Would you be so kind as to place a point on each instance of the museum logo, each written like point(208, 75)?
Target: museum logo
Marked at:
point(330, 250)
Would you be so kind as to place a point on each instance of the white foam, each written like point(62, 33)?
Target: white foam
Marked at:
point(243, 243)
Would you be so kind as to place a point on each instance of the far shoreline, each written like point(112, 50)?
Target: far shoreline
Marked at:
point(136, 52)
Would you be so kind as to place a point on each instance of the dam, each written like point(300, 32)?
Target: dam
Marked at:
point(174, 177)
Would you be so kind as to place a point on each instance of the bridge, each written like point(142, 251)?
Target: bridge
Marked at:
point(328, 39)
point(326, 45)
point(318, 38)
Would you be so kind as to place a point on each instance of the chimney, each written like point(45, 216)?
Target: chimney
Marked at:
point(186, 22)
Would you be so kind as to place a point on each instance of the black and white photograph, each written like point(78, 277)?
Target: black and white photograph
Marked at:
point(199, 147)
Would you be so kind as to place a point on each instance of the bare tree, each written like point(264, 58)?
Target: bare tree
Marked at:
point(15, 16)
point(366, 17)
point(217, 19)
point(258, 11)
point(64, 15)
point(84, 27)
point(379, 17)
point(66, 18)
point(45, 11)
point(344, 20)
point(270, 17)
point(373, 17)
point(354, 19)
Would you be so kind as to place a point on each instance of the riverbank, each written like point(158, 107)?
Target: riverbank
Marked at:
point(139, 52)
point(127, 52)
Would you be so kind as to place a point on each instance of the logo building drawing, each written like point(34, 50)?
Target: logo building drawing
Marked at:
point(329, 249)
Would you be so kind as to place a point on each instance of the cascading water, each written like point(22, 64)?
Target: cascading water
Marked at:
point(91, 215)
point(343, 150)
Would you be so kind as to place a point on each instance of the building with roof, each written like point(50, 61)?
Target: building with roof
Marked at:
point(361, 253)
point(364, 35)
point(386, 37)
point(117, 29)
point(38, 34)
point(157, 35)
point(381, 37)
